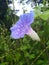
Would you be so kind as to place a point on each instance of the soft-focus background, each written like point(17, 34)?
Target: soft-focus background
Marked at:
point(24, 51)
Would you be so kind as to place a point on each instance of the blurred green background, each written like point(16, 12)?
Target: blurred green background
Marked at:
point(24, 51)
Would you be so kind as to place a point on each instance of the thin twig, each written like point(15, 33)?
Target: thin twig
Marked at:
point(40, 54)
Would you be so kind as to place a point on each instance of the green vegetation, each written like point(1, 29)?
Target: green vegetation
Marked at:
point(25, 51)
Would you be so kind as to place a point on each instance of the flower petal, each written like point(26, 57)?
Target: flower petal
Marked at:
point(27, 18)
point(20, 28)
point(17, 34)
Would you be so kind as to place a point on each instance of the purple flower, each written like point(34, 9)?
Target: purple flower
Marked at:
point(22, 26)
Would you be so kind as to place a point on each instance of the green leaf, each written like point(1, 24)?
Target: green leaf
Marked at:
point(17, 56)
point(39, 62)
point(32, 56)
point(4, 63)
point(26, 54)
point(23, 47)
point(47, 43)
point(44, 15)
point(46, 29)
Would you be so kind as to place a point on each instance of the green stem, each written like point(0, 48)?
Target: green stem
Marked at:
point(40, 54)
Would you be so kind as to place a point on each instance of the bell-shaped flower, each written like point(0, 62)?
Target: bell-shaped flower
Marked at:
point(23, 26)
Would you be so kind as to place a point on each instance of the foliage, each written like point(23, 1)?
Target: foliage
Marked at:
point(25, 51)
